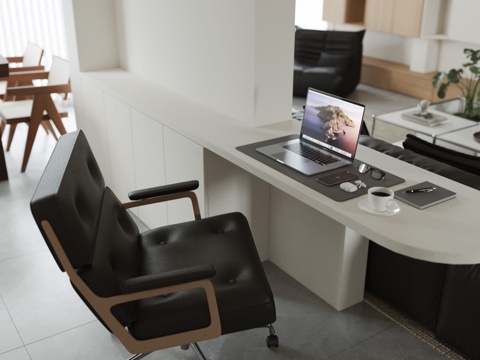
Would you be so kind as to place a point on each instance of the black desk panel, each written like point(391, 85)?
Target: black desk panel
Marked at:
point(334, 192)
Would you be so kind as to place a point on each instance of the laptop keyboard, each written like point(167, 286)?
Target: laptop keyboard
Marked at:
point(310, 153)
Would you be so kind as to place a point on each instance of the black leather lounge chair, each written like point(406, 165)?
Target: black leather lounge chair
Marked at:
point(165, 287)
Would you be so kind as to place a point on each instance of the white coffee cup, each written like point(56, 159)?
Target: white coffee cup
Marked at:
point(380, 198)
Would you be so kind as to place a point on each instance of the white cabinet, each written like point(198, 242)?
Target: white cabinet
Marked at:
point(120, 148)
point(136, 151)
point(230, 188)
point(413, 18)
point(399, 17)
point(184, 161)
point(343, 11)
point(149, 168)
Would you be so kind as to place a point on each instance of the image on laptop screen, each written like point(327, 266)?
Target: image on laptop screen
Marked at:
point(332, 123)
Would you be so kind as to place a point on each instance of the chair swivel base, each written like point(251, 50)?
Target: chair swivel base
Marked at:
point(272, 341)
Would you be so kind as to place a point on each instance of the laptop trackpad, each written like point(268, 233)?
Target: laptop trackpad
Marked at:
point(290, 158)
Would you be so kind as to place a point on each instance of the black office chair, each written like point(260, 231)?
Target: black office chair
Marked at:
point(165, 287)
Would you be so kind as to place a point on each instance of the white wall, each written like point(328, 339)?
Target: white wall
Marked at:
point(462, 22)
point(389, 47)
point(207, 51)
point(202, 49)
point(273, 72)
point(95, 33)
point(308, 14)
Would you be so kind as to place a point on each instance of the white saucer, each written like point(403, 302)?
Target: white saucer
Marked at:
point(365, 206)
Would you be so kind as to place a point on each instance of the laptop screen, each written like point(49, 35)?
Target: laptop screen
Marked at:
point(332, 122)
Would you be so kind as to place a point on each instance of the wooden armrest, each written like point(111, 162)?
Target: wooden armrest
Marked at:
point(165, 193)
point(25, 76)
point(103, 305)
point(175, 196)
point(35, 90)
point(14, 59)
point(26, 68)
point(163, 190)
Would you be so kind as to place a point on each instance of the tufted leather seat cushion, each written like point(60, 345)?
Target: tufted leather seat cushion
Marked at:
point(223, 242)
point(116, 255)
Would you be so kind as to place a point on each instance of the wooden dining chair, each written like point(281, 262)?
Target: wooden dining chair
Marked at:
point(39, 109)
point(29, 61)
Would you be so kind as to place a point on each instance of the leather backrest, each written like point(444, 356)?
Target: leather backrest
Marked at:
point(116, 255)
point(308, 45)
point(460, 160)
point(96, 232)
point(69, 195)
point(425, 162)
point(327, 48)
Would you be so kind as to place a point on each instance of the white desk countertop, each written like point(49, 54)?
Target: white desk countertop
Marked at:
point(447, 233)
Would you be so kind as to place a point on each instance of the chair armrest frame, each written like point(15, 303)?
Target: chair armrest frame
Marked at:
point(36, 90)
point(170, 194)
point(163, 190)
point(25, 76)
point(15, 59)
point(174, 277)
point(26, 68)
point(103, 306)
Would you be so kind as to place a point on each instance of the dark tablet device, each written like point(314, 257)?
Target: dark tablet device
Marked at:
point(337, 178)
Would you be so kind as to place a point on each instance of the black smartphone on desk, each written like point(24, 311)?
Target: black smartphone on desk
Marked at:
point(337, 178)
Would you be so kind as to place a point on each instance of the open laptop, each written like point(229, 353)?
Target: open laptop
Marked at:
point(328, 137)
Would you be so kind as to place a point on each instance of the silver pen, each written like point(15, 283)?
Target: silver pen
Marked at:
point(425, 189)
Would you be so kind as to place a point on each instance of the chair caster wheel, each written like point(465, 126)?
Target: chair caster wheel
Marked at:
point(185, 347)
point(272, 341)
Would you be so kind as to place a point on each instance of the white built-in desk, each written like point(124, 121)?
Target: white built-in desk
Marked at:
point(320, 242)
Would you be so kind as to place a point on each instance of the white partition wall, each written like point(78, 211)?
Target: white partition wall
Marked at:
point(233, 56)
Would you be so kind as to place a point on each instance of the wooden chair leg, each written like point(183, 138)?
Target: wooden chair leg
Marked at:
point(47, 125)
point(53, 114)
point(35, 120)
point(2, 127)
point(32, 133)
point(3, 165)
point(11, 132)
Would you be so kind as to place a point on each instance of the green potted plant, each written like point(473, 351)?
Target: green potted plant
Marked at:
point(467, 79)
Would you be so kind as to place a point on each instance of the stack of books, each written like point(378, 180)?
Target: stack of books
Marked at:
point(428, 119)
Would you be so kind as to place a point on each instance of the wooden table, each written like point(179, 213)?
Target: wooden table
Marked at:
point(4, 72)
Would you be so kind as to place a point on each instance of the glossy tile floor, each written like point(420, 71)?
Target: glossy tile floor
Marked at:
point(41, 317)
